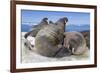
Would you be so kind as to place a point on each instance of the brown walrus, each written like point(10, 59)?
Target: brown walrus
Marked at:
point(75, 42)
point(48, 41)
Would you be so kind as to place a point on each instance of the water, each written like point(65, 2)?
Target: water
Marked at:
point(78, 28)
point(72, 27)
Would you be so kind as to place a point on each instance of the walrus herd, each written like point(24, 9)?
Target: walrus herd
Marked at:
point(51, 40)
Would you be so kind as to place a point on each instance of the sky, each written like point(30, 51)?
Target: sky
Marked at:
point(32, 17)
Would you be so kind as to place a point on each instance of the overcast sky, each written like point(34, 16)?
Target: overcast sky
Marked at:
point(31, 17)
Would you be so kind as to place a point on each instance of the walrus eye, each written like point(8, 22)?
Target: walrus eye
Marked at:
point(32, 45)
point(25, 44)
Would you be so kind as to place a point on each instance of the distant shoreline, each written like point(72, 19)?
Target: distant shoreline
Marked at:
point(71, 27)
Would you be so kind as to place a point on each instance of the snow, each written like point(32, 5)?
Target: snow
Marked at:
point(29, 56)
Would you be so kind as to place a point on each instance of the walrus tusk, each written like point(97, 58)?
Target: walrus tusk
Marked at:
point(73, 50)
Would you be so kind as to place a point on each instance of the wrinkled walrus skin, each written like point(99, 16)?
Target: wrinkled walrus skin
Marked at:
point(35, 28)
point(49, 40)
point(75, 42)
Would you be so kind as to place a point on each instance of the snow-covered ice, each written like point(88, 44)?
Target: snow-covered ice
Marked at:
point(29, 56)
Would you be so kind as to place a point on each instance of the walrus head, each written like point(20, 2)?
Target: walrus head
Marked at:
point(75, 42)
point(61, 23)
point(63, 20)
point(35, 28)
point(45, 19)
point(51, 22)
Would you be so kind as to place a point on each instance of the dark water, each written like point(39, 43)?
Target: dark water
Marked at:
point(78, 28)
point(72, 27)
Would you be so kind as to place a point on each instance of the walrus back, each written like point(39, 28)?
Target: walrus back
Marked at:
point(47, 40)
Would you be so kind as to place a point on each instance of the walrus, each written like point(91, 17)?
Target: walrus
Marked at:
point(75, 42)
point(48, 41)
point(86, 35)
point(35, 28)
